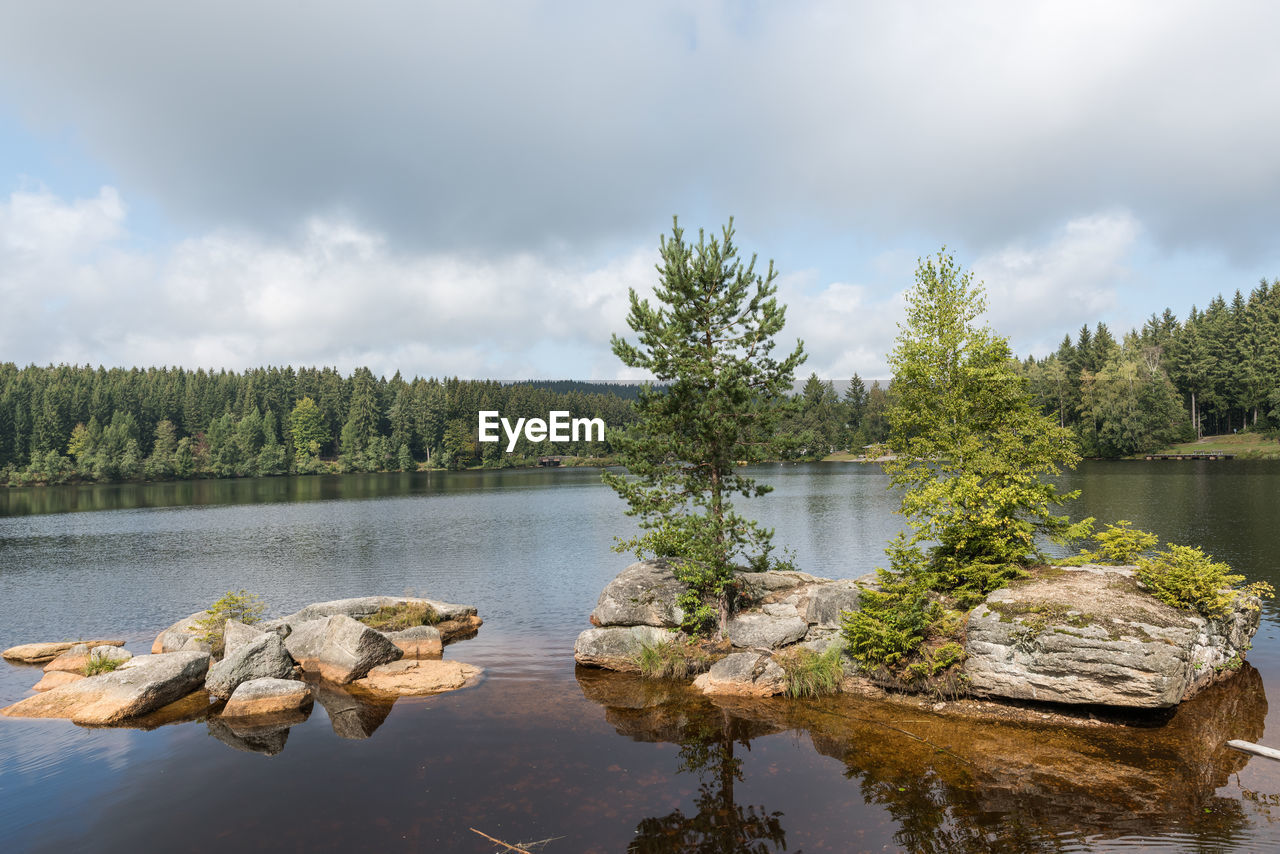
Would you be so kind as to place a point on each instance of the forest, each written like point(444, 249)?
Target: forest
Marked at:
point(1217, 371)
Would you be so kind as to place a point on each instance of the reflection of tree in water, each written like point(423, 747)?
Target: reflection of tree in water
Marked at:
point(720, 825)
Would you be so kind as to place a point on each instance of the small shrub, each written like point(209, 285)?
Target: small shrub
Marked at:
point(1185, 577)
point(406, 615)
point(1120, 544)
point(102, 665)
point(238, 605)
point(892, 622)
point(810, 674)
point(674, 659)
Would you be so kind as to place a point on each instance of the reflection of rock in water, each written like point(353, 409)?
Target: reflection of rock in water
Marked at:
point(353, 714)
point(267, 740)
point(958, 783)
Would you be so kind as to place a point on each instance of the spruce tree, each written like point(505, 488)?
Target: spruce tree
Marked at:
point(709, 344)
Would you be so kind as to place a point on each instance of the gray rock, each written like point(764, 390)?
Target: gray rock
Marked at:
point(617, 647)
point(268, 696)
point(262, 657)
point(781, 609)
point(417, 641)
point(1089, 635)
point(236, 634)
point(352, 716)
point(759, 585)
point(643, 594)
point(267, 741)
point(340, 649)
point(749, 630)
point(820, 640)
point(109, 653)
point(827, 602)
point(142, 684)
point(745, 674)
point(182, 636)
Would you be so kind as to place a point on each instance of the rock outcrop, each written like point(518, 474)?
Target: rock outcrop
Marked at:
point(264, 657)
point(643, 594)
point(1090, 635)
point(40, 653)
point(418, 642)
point(412, 677)
point(268, 696)
point(56, 679)
point(140, 685)
point(183, 636)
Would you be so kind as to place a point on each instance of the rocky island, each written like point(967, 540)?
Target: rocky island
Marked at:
point(1070, 635)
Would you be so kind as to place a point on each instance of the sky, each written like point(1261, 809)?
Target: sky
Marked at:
point(471, 189)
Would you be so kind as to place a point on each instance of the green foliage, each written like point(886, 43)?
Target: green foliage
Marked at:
point(892, 622)
point(709, 342)
point(971, 452)
point(406, 615)
point(678, 658)
point(1121, 544)
point(102, 665)
point(1185, 577)
point(810, 674)
point(237, 605)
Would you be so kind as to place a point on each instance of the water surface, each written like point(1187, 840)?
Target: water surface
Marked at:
point(591, 761)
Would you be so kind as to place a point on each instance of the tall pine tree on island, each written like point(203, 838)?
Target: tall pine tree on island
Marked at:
point(709, 344)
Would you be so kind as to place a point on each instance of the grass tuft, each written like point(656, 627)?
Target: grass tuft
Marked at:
point(674, 659)
point(406, 615)
point(810, 674)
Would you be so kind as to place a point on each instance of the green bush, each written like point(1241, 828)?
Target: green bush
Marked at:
point(238, 605)
point(674, 659)
point(810, 674)
point(1185, 577)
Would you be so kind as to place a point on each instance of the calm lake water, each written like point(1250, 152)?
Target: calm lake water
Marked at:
point(591, 761)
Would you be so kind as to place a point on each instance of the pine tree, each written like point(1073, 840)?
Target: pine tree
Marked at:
point(709, 342)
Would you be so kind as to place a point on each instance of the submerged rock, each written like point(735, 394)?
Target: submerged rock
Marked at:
point(744, 674)
point(1090, 635)
point(353, 713)
point(617, 647)
point(417, 678)
point(140, 685)
point(263, 657)
point(40, 653)
point(268, 696)
point(266, 740)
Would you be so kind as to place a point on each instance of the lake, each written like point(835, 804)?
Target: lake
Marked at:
point(566, 759)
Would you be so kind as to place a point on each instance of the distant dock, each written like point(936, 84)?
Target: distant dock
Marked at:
point(1203, 455)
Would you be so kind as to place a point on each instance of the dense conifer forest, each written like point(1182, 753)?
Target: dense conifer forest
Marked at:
point(1217, 371)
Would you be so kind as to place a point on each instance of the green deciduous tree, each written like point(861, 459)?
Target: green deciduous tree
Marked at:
point(709, 341)
point(971, 450)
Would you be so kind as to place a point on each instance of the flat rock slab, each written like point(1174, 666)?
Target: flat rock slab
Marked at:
point(268, 697)
point(745, 674)
point(40, 653)
point(617, 647)
point(643, 594)
point(411, 678)
point(263, 657)
point(364, 606)
point(141, 685)
point(418, 642)
point(754, 629)
point(1090, 635)
point(56, 679)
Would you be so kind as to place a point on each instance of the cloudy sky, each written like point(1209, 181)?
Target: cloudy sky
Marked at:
point(471, 188)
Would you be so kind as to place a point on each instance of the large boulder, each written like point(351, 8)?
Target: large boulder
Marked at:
point(339, 648)
point(418, 642)
point(418, 678)
point(364, 606)
point(826, 603)
point(183, 636)
point(756, 630)
point(617, 647)
point(1090, 635)
point(140, 685)
point(643, 594)
point(766, 585)
point(268, 696)
point(236, 634)
point(262, 658)
point(40, 653)
point(747, 674)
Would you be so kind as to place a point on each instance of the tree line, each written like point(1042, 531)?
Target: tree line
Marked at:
point(1217, 371)
point(66, 423)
